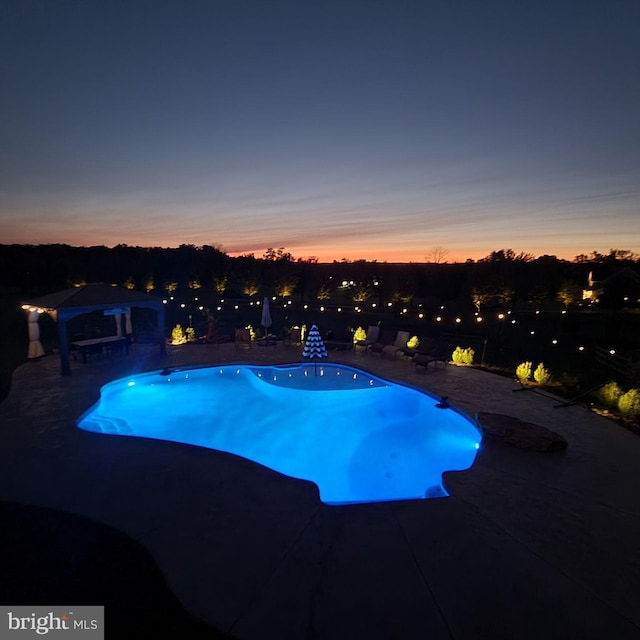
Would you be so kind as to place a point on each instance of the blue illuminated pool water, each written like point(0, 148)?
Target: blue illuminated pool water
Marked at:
point(357, 437)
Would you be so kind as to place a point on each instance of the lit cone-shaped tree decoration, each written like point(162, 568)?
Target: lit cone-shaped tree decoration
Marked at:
point(314, 348)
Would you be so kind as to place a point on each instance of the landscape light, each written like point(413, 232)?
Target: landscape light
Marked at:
point(612, 352)
point(479, 319)
point(438, 318)
point(458, 320)
point(580, 348)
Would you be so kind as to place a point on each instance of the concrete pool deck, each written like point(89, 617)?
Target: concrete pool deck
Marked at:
point(528, 545)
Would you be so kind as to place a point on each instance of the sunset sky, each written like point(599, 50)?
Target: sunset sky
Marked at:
point(375, 129)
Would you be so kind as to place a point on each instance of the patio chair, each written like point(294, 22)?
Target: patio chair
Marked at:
point(243, 339)
point(293, 336)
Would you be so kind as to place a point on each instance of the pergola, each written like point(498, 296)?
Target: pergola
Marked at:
point(65, 305)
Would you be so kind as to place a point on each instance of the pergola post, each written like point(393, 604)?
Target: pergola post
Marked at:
point(63, 345)
point(160, 312)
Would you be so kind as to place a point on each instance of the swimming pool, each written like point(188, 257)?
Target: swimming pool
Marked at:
point(358, 437)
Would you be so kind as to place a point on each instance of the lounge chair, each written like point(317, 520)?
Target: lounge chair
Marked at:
point(373, 333)
point(426, 345)
point(398, 346)
point(433, 353)
point(343, 341)
point(390, 350)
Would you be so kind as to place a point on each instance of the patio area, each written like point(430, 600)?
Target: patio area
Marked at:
point(528, 545)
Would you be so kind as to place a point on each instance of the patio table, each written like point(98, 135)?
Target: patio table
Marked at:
point(98, 345)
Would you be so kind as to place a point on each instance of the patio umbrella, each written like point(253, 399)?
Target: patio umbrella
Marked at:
point(266, 316)
point(314, 347)
point(35, 346)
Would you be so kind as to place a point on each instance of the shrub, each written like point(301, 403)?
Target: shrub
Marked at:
point(569, 383)
point(252, 331)
point(413, 342)
point(359, 334)
point(191, 334)
point(523, 371)
point(177, 335)
point(610, 393)
point(463, 356)
point(541, 375)
point(629, 403)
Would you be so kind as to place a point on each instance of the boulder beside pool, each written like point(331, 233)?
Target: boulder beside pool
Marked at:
point(520, 434)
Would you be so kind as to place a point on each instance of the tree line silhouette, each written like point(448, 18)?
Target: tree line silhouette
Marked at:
point(503, 277)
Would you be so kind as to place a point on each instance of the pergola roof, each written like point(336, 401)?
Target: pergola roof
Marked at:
point(99, 296)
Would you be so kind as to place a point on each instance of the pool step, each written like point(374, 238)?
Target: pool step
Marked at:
point(106, 424)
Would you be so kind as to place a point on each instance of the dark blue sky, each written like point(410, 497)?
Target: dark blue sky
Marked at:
point(362, 129)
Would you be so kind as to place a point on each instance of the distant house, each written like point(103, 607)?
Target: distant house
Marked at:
point(590, 294)
point(624, 282)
